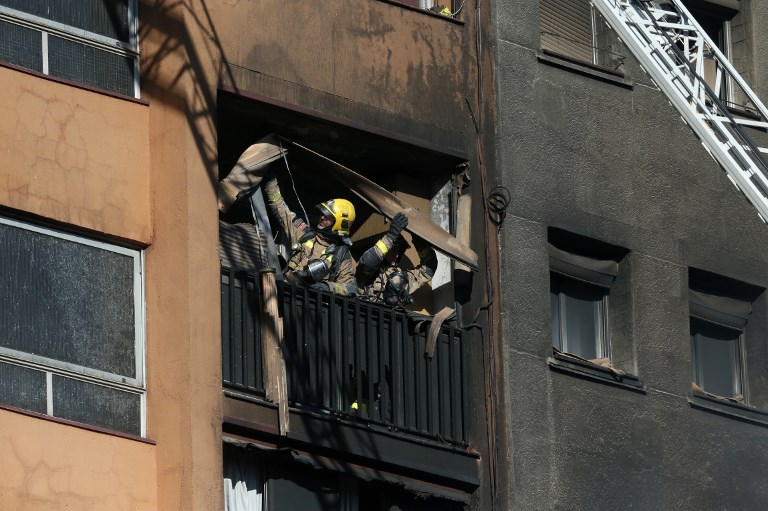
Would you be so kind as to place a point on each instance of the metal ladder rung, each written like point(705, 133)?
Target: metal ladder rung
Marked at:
point(747, 149)
point(677, 26)
point(743, 122)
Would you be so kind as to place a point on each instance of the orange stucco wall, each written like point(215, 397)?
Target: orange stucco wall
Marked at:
point(74, 156)
point(49, 466)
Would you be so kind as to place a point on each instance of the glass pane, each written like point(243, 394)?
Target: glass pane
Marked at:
point(96, 405)
point(582, 316)
point(308, 491)
point(717, 355)
point(22, 387)
point(21, 46)
point(91, 66)
point(105, 17)
point(66, 301)
point(554, 306)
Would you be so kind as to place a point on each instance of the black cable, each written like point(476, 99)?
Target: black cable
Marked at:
point(498, 202)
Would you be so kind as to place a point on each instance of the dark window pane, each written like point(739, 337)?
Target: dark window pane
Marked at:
point(91, 66)
point(105, 17)
point(717, 357)
point(96, 405)
point(21, 46)
point(22, 387)
point(293, 489)
point(554, 303)
point(582, 317)
point(67, 301)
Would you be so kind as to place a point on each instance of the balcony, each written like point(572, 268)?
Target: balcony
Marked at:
point(349, 359)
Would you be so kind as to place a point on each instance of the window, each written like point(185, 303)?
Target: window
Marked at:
point(716, 358)
point(71, 327)
point(578, 317)
point(88, 41)
point(717, 325)
point(590, 299)
point(716, 22)
point(576, 30)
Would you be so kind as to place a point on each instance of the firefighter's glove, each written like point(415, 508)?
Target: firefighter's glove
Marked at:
point(396, 226)
point(319, 286)
point(303, 276)
point(272, 190)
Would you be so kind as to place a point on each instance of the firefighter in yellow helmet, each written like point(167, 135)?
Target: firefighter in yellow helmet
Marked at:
point(380, 274)
point(319, 257)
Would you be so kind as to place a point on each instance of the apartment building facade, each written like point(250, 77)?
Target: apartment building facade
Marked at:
point(609, 352)
point(131, 356)
point(633, 273)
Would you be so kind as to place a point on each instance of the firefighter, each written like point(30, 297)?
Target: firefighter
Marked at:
point(380, 277)
point(319, 257)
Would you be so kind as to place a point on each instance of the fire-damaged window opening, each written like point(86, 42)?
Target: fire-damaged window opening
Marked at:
point(359, 318)
point(723, 322)
point(301, 179)
point(589, 300)
point(305, 162)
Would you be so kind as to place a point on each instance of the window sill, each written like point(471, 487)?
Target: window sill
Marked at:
point(75, 424)
point(585, 69)
point(78, 85)
point(584, 369)
point(424, 11)
point(728, 408)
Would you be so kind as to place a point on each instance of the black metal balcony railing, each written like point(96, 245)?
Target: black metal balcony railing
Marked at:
point(351, 357)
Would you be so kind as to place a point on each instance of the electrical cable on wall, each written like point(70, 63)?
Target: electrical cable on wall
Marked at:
point(498, 202)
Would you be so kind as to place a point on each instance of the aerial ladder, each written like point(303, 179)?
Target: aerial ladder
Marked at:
point(677, 53)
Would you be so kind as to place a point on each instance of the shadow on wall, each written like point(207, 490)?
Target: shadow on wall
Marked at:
point(179, 40)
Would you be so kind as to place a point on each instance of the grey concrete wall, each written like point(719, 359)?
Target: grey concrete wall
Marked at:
point(617, 164)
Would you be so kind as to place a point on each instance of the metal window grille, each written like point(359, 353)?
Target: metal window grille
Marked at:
point(71, 327)
point(93, 42)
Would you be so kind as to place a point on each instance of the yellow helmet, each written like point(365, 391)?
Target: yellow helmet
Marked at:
point(343, 213)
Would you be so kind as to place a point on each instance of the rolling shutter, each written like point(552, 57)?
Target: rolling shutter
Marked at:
point(566, 28)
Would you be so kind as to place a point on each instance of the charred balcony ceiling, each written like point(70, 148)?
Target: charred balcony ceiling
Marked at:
point(375, 154)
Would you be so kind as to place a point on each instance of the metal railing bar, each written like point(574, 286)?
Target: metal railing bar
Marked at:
point(341, 351)
point(226, 362)
point(396, 368)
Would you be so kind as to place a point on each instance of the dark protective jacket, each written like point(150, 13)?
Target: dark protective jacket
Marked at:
point(306, 245)
point(373, 273)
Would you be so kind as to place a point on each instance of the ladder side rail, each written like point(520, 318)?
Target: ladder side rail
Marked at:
point(708, 137)
point(722, 60)
point(714, 99)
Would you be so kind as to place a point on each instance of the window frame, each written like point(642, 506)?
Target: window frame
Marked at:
point(101, 42)
point(554, 29)
point(602, 344)
point(739, 382)
point(51, 366)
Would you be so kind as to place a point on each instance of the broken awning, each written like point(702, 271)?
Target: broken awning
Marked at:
point(253, 163)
